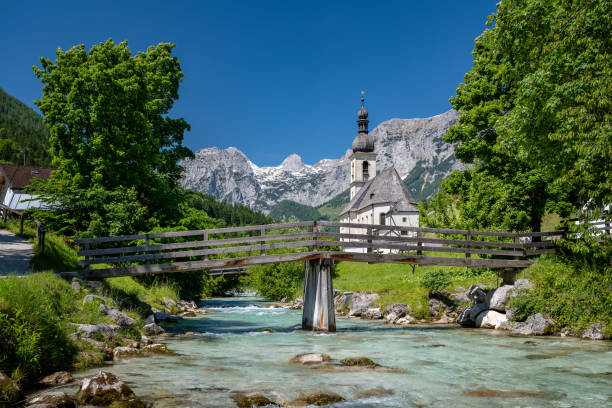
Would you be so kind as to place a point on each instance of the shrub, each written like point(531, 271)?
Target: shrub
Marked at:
point(275, 281)
point(436, 279)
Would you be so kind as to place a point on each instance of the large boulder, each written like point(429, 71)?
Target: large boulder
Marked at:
point(120, 318)
point(104, 389)
point(153, 329)
point(53, 399)
point(535, 325)
point(396, 311)
point(309, 358)
point(476, 294)
point(467, 318)
point(594, 332)
point(58, 378)
point(360, 302)
point(318, 398)
point(119, 352)
point(490, 319)
point(499, 298)
point(165, 317)
point(372, 313)
point(88, 330)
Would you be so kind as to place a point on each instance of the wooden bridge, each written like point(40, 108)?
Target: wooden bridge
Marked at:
point(317, 243)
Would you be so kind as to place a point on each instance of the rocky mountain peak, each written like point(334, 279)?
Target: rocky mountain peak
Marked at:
point(293, 162)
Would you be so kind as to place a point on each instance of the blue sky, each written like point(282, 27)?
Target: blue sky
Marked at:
point(269, 77)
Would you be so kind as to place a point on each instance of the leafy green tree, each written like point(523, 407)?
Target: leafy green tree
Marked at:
point(535, 115)
point(115, 148)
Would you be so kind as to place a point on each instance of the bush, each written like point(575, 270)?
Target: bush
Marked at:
point(575, 295)
point(436, 279)
point(275, 281)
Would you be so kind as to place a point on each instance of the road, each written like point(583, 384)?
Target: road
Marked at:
point(15, 254)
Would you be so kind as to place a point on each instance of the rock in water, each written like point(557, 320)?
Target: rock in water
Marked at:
point(119, 352)
point(252, 400)
point(104, 389)
point(396, 312)
point(358, 361)
point(58, 378)
point(56, 399)
point(535, 325)
point(467, 318)
point(490, 319)
point(152, 329)
point(594, 332)
point(156, 348)
point(372, 313)
point(318, 398)
point(309, 358)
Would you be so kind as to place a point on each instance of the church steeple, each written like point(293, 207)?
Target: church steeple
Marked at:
point(363, 159)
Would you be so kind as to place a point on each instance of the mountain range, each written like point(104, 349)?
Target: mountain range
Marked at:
point(414, 146)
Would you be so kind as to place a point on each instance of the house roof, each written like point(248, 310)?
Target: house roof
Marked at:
point(18, 177)
point(386, 188)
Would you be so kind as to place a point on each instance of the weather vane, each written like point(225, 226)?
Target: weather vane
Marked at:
point(362, 98)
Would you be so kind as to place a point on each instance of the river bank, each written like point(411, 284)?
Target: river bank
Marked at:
point(245, 347)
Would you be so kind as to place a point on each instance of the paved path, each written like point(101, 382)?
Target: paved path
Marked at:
point(15, 253)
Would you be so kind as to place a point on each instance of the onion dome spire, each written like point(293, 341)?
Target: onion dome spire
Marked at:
point(363, 142)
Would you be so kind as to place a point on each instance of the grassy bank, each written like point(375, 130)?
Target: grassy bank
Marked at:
point(37, 317)
point(396, 283)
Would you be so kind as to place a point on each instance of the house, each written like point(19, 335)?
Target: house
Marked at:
point(381, 199)
point(13, 179)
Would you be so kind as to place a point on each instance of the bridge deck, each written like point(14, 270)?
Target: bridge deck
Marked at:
point(238, 247)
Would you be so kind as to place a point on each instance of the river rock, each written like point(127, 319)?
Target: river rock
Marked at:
point(58, 378)
point(187, 306)
point(150, 319)
point(93, 298)
point(153, 329)
point(244, 400)
point(372, 313)
point(535, 325)
point(490, 319)
point(343, 301)
point(594, 332)
point(467, 318)
point(157, 348)
point(360, 302)
point(477, 295)
point(169, 303)
point(130, 343)
point(119, 352)
point(104, 389)
point(76, 285)
point(52, 399)
point(358, 362)
point(165, 317)
point(88, 330)
point(298, 303)
point(309, 358)
point(499, 298)
point(190, 313)
point(119, 317)
point(396, 311)
point(523, 285)
point(405, 320)
point(317, 398)
point(437, 307)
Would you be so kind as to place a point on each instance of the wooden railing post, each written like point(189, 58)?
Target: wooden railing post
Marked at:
point(262, 251)
point(205, 239)
point(468, 238)
point(21, 224)
point(315, 247)
point(369, 233)
point(147, 248)
point(419, 243)
point(516, 242)
point(87, 256)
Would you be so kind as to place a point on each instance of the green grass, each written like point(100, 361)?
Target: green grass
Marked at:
point(396, 283)
point(141, 296)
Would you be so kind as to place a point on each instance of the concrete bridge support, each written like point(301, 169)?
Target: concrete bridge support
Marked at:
point(318, 312)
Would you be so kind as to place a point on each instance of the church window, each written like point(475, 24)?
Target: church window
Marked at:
point(382, 218)
point(403, 219)
point(366, 173)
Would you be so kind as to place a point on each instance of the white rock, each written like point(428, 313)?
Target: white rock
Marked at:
point(500, 298)
point(490, 319)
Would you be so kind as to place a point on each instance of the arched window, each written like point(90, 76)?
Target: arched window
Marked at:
point(366, 173)
point(382, 218)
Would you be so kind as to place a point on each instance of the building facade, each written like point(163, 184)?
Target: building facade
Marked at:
point(375, 199)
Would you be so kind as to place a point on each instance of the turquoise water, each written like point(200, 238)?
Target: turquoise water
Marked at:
point(437, 366)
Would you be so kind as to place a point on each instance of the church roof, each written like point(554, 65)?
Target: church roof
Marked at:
point(386, 188)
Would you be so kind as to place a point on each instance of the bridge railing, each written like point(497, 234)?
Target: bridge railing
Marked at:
point(238, 247)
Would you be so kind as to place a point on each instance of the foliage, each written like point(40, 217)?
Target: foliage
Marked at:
point(232, 214)
point(331, 209)
point(535, 116)
point(33, 338)
point(436, 279)
point(115, 148)
point(287, 210)
point(22, 131)
point(574, 295)
point(275, 281)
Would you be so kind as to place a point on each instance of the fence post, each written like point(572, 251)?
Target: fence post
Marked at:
point(516, 242)
point(315, 247)
point(468, 238)
point(21, 224)
point(87, 256)
point(369, 233)
point(262, 251)
point(419, 243)
point(147, 244)
point(205, 239)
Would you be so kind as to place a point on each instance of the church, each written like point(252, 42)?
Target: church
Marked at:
point(375, 199)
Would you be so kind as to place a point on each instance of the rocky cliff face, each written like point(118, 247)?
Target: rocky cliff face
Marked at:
point(414, 146)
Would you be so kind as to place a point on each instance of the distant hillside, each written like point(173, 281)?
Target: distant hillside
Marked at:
point(22, 129)
point(288, 210)
point(232, 214)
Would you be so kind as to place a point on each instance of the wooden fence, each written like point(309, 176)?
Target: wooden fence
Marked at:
point(238, 247)
point(40, 230)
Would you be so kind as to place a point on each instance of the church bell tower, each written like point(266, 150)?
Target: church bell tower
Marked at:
point(363, 159)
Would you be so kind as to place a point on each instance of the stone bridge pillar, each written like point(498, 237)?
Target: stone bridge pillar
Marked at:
point(318, 311)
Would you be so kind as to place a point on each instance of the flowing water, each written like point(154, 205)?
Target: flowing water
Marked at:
point(435, 366)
